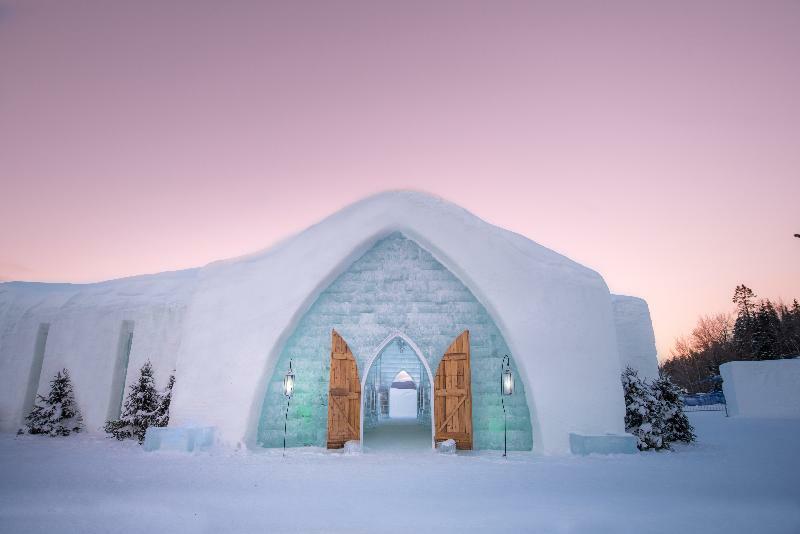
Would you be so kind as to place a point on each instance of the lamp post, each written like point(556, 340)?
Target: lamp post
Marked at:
point(288, 390)
point(506, 388)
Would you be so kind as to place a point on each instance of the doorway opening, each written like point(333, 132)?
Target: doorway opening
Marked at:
point(397, 398)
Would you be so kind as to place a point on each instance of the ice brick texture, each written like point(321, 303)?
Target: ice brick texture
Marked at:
point(395, 286)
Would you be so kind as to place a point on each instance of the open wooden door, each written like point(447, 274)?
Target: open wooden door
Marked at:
point(453, 395)
point(344, 395)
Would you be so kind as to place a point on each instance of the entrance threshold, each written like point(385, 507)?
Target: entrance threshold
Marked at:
point(398, 434)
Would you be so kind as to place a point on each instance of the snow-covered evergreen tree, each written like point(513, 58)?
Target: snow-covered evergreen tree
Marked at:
point(162, 414)
point(58, 413)
point(642, 413)
point(141, 408)
point(675, 423)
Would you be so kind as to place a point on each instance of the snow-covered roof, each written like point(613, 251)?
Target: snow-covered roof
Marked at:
point(416, 211)
point(409, 211)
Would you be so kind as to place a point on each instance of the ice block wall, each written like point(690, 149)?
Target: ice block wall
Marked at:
point(395, 286)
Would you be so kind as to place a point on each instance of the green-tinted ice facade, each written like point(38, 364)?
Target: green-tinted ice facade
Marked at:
point(395, 286)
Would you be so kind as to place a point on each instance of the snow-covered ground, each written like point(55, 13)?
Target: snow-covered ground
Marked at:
point(399, 434)
point(741, 476)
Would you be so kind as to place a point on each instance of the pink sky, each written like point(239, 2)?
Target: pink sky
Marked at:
point(657, 144)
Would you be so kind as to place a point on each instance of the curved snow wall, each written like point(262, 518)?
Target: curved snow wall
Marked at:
point(395, 286)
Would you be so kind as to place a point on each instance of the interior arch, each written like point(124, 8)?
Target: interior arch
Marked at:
point(428, 377)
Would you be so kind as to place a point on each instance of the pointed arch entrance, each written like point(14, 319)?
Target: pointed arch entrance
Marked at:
point(426, 394)
point(396, 290)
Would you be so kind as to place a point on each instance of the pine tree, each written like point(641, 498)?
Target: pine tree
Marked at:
point(642, 418)
point(58, 413)
point(743, 327)
point(141, 408)
point(766, 329)
point(39, 420)
point(676, 425)
point(791, 319)
point(162, 413)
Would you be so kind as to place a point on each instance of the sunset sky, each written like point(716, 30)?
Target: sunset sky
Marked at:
point(658, 144)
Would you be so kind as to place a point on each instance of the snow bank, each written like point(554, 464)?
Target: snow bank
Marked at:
point(636, 341)
point(608, 444)
point(762, 389)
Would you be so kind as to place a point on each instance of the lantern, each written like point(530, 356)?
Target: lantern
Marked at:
point(288, 389)
point(506, 388)
point(288, 381)
point(506, 378)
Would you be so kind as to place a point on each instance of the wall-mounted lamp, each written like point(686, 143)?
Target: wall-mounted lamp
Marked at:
point(288, 381)
point(506, 388)
point(507, 379)
point(288, 390)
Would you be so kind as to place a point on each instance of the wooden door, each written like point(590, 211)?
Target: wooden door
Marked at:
point(344, 395)
point(453, 395)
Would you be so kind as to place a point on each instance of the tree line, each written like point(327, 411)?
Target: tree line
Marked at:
point(757, 330)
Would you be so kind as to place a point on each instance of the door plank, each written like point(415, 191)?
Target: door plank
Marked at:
point(452, 413)
point(344, 395)
point(453, 394)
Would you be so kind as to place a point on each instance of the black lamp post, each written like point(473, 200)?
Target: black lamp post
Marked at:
point(288, 390)
point(506, 388)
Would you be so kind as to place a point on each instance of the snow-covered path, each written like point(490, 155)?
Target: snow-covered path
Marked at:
point(395, 435)
point(740, 477)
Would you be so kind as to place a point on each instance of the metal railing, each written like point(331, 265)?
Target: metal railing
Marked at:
point(706, 408)
point(705, 402)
